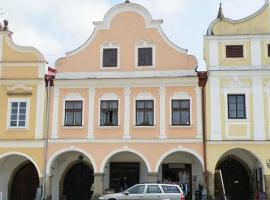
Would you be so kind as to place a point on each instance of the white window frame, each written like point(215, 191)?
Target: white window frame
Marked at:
point(144, 96)
point(145, 44)
point(110, 45)
point(109, 97)
point(181, 96)
point(19, 100)
point(73, 97)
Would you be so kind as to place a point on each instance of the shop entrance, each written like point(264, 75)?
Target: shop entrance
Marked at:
point(180, 174)
point(78, 181)
point(25, 183)
point(124, 175)
point(236, 179)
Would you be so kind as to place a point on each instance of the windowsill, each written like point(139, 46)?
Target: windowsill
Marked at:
point(144, 67)
point(17, 128)
point(134, 126)
point(108, 127)
point(72, 127)
point(236, 120)
point(181, 126)
point(235, 58)
point(113, 67)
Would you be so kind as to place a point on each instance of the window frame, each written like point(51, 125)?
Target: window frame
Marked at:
point(27, 114)
point(108, 110)
point(145, 110)
point(228, 110)
point(180, 110)
point(145, 44)
point(234, 57)
point(138, 57)
point(73, 110)
point(110, 45)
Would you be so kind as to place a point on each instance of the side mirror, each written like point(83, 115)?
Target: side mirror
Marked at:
point(126, 193)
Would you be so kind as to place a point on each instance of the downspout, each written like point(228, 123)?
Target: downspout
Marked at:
point(48, 81)
point(202, 76)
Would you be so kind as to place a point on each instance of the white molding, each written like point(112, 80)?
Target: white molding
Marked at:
point(20, 86)
point(144, 96)
point(27, 117)
point(213, 53)
point(40, 111)
point(91, 112)
point(132, 74)
point(69, 149)
point(256, 54)
point(127, 92)
point(109, 97)
point(1, 53)
point(162, 113)
point(258, 109)
point(181, 96)
point(126, 7)
point(72, 97)
point(110, 45)
point(12, 153)
point(180, 149)
point(122, 150)
point(42, 70)
point(145, 44)
point(22, 144)
point(215, 109)
point(56, 94)
point(127, 141)
point(199, 112)
point(236, 86)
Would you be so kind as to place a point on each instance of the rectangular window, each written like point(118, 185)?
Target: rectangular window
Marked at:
point(110, 57)
point(180, 112)
point(268, 48)
point(234, 51)
point(18, 114)
point(73, 113)
point(144, 113)
point(109, 113)
point(236, 106)
point(145, 56)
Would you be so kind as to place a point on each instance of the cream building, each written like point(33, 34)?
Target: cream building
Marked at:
point(124, 104)
point(237, 53)
point(22, 114)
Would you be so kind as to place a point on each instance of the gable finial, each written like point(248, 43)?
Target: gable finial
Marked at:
point(127, 1)
point(220, 12)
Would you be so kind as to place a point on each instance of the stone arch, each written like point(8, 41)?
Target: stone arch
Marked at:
point(125, 149)
point(70, 149)
point(180, 149)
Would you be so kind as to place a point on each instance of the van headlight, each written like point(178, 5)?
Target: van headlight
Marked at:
point(101, 198)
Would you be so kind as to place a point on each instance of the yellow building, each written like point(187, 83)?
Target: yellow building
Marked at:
point(22, 114)
point(237, 53)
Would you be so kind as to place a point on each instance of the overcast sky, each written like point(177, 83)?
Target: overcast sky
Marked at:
point(58, 26)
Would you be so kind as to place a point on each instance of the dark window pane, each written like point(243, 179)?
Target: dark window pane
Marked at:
point(185, 118)
point(145, 57)
point(14, 104)
point(23, 105)
point(69, 105)
point(176, 103)
point(13, 123)
point(109, 57)
point(78, 118)
point(139, 117)
point(21, 123)
point(140, 104)
point(234, 51)
point(268, 48)
point(144, 112)
point(184, 103)
point(153, 189)
point(236, 107)
point(69, 118)
point(137, 189)
point(109, 113)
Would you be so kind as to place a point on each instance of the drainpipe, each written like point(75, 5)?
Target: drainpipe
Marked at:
point(202, 76)
point(48, 79)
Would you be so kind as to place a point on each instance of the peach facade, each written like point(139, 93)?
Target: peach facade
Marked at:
point(82, 77)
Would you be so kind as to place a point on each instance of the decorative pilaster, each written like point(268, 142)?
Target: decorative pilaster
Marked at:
point(56, 94)
point(258, 108)
point(98, 185)
point(162, 104)
point(91, 112)
point(199, 112)
point(152, 177)
point(267, 185)
point(127, 92)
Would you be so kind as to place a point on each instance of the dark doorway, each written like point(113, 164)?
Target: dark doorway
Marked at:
point(120, 170)
point(236, 179)
point(181, 174)
point(78, 182)
point(25, 183)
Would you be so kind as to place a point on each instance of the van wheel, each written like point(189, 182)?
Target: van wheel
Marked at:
point(112, 199)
